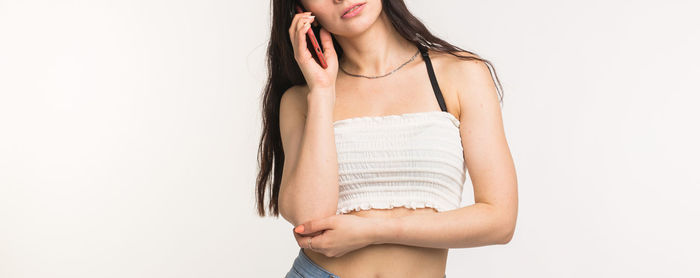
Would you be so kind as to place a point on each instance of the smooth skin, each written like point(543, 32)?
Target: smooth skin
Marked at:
point(413, 242)
point(491, 220)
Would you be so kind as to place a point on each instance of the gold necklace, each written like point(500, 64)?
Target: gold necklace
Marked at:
point(379, 76)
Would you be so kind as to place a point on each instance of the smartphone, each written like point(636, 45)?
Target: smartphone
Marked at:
point(313, 44)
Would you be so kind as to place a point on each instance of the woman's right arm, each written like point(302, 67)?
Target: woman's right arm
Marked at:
point(309, 185)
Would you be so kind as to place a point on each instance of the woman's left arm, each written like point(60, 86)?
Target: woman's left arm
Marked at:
point(490, 220)
point(479, 224)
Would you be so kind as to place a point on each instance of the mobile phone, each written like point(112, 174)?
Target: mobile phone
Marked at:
point(313, 44)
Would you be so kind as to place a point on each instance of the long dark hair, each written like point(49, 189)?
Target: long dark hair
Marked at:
point(283, 73)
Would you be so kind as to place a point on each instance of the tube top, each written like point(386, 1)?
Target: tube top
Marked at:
point(412, 160)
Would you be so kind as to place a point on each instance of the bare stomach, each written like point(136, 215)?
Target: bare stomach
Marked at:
point(386, 260)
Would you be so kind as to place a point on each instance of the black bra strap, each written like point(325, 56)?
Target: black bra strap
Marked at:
point(433, 80)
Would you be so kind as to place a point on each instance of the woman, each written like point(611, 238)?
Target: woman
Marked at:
point(369, 161)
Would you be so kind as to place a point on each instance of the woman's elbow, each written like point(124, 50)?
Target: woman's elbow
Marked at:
point(507, 229)
point(297, 215)
point(508, 236)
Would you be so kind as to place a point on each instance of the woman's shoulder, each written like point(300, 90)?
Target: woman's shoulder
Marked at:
point(454, 68)
point(297, 92)
point(301, 89)
point(450, 61)
point(294, 99)
point(458, 75)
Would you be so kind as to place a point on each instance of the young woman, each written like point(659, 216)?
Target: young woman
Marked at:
point(367, 157)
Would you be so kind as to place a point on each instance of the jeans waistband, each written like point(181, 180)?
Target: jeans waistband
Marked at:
point(308, 268)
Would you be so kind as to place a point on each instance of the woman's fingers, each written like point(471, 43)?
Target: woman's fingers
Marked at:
point(303, 26)
point(300, 36)
point(299, 240)
point(327, 42)
point(297, 22)
point(293, 26)
point(297, 31)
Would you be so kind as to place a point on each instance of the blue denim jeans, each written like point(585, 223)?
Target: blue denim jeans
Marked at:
point(303, 267)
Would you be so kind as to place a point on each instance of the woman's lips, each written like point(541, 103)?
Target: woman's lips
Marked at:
point(354, 12)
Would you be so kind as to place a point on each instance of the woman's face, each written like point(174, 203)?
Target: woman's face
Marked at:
point(329, 13)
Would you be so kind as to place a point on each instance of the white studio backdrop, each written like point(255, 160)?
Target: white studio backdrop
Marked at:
point(129, 132)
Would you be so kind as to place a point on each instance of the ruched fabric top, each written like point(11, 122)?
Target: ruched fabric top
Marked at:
point(412, 160)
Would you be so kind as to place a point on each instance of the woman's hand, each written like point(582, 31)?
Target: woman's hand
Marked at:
point(336, 235)
point(316, 76)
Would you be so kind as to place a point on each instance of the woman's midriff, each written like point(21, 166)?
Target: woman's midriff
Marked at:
point(386, 260)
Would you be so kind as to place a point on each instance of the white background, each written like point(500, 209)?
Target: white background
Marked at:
point(129, 131)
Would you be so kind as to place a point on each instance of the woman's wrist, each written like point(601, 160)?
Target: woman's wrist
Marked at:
point(322, 94)
point(385, 230)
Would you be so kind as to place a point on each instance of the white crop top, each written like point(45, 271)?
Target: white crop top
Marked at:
point(412, 160)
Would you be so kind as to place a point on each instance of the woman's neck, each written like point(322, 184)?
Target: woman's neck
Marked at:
point(378, 50)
